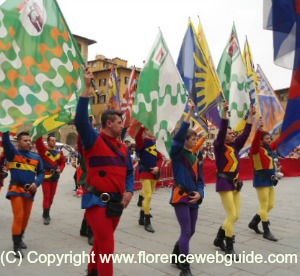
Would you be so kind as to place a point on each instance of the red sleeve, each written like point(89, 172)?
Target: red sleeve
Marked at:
point(256, 142)
point(40, 146)
point(139, 139)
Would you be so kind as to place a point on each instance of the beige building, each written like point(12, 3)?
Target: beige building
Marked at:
point(101, 68)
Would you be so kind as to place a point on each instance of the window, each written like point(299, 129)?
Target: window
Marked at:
point(126, 79)
point(105, 65)
point(93, 99)
point(102, 99)
point(95, 65)
point(102, 82)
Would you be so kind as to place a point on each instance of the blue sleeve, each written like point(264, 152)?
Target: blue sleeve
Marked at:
point(130, 176)
point(179, 140)
point(9, 148)
point(40, 173)
point(83, 125)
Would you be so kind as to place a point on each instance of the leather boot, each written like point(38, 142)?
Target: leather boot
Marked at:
point(94, 272)
point(46, 216)
point(140, 201)
point(176, 251)
point(90, 235)
point(84, 228)
point(148, 226)
point(267, 233)
point(142, 218)
point(23, 244)
point(185, 269)
point(17, 246)
point(229, 250)
point(219, 240)
point(253, 224)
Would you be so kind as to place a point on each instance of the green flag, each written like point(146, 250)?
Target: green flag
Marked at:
point(233, 76)
point(161, 95)
point(40, 66)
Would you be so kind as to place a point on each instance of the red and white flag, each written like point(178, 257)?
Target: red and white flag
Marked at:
point(129, 99)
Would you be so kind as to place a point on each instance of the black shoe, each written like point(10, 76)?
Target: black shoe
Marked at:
point(185, 269)
point(17, 246)
point(219, 240)
point(46, 216)
point(23, 244)
point(142, 218)
point(176, 251)
point(84, 228)
point(229, 250)
point(267, 233)
point(140, 201)
point(90, 236)
point(253, 224)
point(148, 226)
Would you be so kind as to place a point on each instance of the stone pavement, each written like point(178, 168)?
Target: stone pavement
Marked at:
point(62, 235)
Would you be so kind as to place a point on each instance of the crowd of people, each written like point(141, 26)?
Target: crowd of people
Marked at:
point(105, 173)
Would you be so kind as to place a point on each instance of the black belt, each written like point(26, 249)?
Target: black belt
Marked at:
point(20, 184)
point(265, 175)
point(228, 177)
point(104, 196)
point(183, 189)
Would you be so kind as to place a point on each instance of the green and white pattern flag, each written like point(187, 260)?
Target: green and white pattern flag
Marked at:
point(233, 76)
point(41, 66)
point(161, 95)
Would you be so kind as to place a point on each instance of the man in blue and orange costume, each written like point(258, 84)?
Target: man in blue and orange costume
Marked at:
point(54, 163)
point(263, 155)
point(27, 173)
point(227, 147)
point(188, 191)
point(150, 161)
point(110, 178)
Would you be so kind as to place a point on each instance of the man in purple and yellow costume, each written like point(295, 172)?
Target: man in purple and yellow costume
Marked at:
point(27, 173)
point(227, 147)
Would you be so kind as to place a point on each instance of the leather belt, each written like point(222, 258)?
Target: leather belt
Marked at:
point(105, 197)
point(21, 184)
point(228, 177)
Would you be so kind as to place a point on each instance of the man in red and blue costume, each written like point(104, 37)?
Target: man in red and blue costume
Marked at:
point(149, 167)
point(110, 178)
point(54, 163)
point(27, 173)
point(263, 155)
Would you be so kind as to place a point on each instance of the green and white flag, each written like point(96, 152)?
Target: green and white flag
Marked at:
point(233, 76)
point(41, 66)
point(161, 95)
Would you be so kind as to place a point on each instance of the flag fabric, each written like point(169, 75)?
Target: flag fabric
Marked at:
point(128, 99)
point(114, 101)
point(161, 95)
point(53, 122)
point(233, 76)
point(283, 17)
point(40, 65)
point(272, 112)
point(197, 74)
point(251, 88)
point(213, 114)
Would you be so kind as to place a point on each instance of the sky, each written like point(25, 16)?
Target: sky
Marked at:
point(127, 28)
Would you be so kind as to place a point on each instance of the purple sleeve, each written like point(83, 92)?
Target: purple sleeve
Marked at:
point(241, 140)
point(220, 140)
